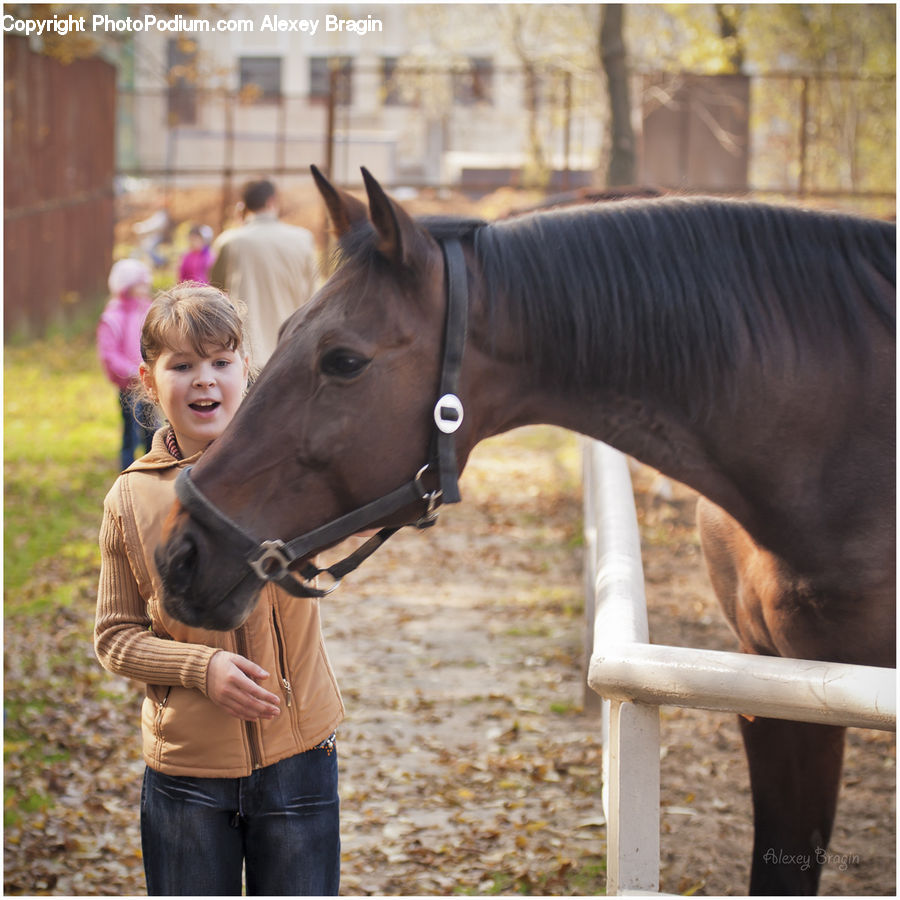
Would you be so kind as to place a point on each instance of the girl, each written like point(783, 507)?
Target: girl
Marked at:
point(196, 263)
point(238, 727)
point(119, 349)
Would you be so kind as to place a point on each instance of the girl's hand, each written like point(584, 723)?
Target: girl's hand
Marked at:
point(231, 682)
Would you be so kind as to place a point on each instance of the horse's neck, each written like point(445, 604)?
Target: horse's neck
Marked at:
point(775, 444)
point(660, 437)
point(767, 456)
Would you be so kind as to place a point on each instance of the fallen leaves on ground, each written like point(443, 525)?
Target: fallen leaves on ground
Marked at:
point(467, 765)
point(72, 763)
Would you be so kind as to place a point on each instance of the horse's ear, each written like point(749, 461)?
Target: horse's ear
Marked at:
point(397, 233)
point(344, 209)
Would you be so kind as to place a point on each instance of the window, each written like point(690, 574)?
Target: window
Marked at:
point(399, 87)
point(181, 59)
point(320, 69)
point(476, 85)
point(260, 76)
point(390, 92)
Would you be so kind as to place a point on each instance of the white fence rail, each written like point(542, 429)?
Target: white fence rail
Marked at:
point(635, 677)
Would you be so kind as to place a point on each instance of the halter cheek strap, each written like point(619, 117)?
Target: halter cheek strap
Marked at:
point(271, 560)
point(448, 411)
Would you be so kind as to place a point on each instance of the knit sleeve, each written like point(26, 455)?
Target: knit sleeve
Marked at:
point(123, 639)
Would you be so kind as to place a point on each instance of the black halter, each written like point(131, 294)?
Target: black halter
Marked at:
point(271, 560)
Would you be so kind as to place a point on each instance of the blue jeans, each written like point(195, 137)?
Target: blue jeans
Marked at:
point(282, 821)
point(136, 427)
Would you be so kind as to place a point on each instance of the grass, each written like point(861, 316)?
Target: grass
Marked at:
point(17, 807)
point(588, 878)
point(60, 442)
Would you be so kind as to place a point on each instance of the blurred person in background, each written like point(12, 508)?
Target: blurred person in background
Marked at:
point(196, 263)
point(267, 264)
point(154, 233)
point(119, 349)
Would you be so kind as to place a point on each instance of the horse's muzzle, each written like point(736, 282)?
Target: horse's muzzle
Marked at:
point(176, 562)
point(197, 597)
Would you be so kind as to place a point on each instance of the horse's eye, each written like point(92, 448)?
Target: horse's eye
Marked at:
point(343, 363)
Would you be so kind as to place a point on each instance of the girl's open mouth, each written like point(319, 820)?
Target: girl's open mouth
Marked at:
point(204, 405)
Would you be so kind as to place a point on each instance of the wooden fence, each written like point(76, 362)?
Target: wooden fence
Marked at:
point(58, 170)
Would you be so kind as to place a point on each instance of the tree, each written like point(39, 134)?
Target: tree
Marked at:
point(614, 58)
point(844, 109)
point(823, 108)
point(729, 18)
point(519, 30)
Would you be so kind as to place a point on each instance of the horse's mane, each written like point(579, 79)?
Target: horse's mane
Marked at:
point(664, 293)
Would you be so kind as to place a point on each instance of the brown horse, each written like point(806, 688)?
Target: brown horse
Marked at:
point(743, 349)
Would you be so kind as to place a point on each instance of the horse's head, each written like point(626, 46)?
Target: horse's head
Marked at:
point(342, 414)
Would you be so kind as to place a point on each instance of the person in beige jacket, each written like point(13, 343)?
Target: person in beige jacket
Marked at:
point(267, 264)
point(238, 727)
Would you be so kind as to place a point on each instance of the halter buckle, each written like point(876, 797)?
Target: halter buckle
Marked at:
point(430, 516)
point(271, 552)
point(448, 413)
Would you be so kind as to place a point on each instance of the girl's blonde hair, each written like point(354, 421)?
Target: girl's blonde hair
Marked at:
point(197, 314)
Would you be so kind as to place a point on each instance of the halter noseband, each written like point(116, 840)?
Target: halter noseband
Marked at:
point(271, 560)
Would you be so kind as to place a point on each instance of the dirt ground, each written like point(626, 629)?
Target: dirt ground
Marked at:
point(468, 765)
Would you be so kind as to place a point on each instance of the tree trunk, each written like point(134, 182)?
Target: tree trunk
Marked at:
point(622, 157)
point(729, 18)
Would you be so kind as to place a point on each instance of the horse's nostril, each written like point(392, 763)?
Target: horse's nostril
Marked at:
point(179, 564)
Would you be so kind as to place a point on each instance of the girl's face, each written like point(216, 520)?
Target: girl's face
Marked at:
point(199, 395)
point(141, 291)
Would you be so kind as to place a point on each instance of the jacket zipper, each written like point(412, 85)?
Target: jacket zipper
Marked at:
point(288, 690)
point(160, 709)
point(249, 727)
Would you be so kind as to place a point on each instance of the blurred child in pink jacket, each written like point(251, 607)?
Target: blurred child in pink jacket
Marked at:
point(196, 263)
point(119, 349)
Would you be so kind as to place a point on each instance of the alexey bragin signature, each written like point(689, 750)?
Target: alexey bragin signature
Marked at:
point(805, 860)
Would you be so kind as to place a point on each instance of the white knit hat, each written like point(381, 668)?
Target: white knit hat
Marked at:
point(127, 273)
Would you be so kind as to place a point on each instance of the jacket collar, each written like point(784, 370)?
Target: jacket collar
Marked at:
point(159, 456)
point(262, 217)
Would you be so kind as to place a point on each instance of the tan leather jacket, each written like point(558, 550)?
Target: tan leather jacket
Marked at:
point(184, 732)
